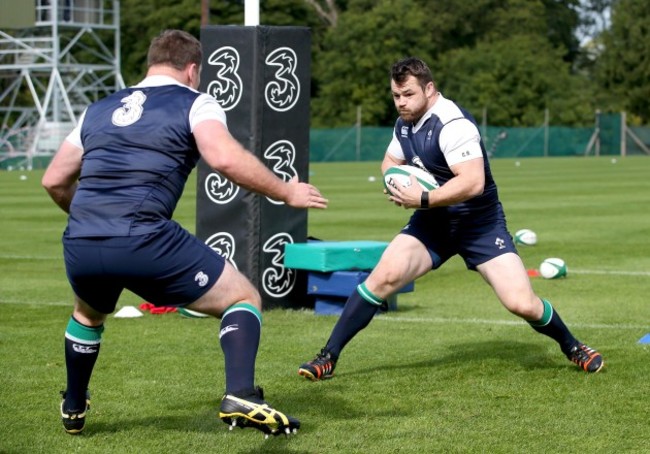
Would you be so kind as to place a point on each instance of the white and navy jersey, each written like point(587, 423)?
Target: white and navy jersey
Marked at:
point(446, 135)
point(138, 150)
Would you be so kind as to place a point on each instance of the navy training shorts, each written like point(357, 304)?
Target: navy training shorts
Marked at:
point(475, 239)
point(169, 267)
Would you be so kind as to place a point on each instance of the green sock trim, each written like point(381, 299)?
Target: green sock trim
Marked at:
point(89, 335)
point(244, 307)
point(368, 295)
point(546, 316)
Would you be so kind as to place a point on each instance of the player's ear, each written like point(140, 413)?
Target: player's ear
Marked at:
point(194, 75)
point(430, 89)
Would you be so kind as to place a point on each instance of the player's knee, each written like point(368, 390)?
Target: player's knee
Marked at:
point(248, 294)
point(88, 318)
point(385, 283)
point(86, 315)
point(526, 308)
point(254, 299)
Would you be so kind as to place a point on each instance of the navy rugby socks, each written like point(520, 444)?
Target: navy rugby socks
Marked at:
point(241, 325)
point(552, 326)
point(358, 311)
point(81, 351)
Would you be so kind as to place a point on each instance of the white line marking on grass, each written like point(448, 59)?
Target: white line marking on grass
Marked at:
point(478, 321)
point(614, 272)
point(392, 318)
point(39, 303)
point(29, 257)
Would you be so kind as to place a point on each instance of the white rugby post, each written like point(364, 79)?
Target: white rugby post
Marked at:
point(252, 12)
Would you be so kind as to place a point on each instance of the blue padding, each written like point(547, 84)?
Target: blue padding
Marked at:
point(329, 306)
point(645, 339)
point(340, 283)
point(334, 305)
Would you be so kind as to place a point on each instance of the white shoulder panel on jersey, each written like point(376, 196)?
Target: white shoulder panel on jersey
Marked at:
point(446, 110)
point(75, 135)
point(395, 149)
point(205, 107)
point(460, 141)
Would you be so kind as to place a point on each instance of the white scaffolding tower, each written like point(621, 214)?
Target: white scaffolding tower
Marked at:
point(56, 57)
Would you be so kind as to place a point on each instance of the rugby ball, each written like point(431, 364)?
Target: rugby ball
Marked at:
point(526, 236)
point(553, 268)
point(190, 313)
point(402, 175)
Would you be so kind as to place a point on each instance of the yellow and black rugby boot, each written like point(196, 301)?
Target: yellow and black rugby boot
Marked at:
point(74, 420)
point(248, 409)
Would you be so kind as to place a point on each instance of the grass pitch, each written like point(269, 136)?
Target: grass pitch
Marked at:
point(449, 371)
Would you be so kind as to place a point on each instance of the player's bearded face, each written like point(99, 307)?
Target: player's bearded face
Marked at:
point(410, 99)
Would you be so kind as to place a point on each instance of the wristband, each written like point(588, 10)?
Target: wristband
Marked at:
point(424, 199)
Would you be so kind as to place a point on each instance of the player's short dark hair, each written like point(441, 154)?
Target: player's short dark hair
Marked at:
point(175, 48)
point(411, 66)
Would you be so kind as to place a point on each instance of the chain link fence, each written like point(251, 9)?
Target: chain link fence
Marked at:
point(609, 136)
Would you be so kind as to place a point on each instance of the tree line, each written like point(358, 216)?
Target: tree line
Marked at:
point(513, 61)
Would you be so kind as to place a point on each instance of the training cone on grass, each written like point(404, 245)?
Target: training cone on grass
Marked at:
point(532, 272)
point(128, 312)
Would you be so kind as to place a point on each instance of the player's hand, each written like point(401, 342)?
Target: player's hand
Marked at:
point(305, 195)
point(407, 196)
point(390, 199)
